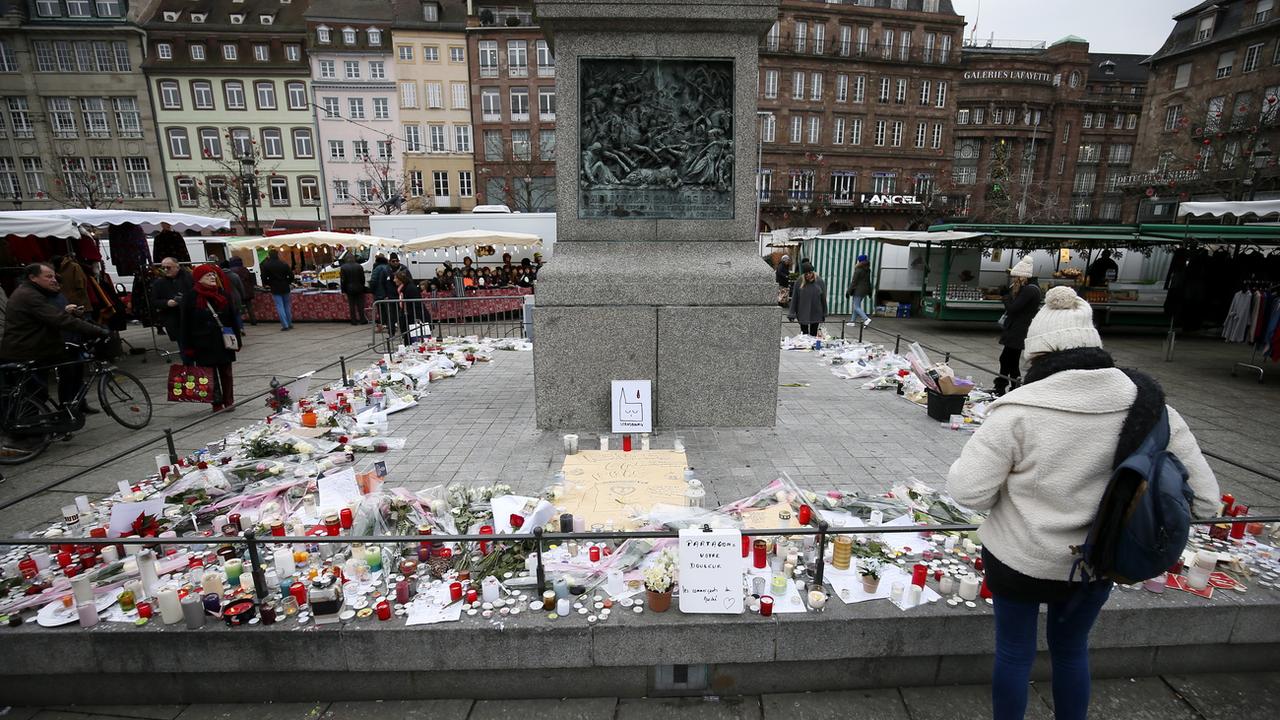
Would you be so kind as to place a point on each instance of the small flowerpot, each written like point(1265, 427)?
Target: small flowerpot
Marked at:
point(659, 601)
point(870, 584)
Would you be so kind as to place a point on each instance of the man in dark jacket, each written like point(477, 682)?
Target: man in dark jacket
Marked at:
point(167, 294)
point(859, 289)
point(351, 281)
point(169, 243)
point(34, 326)
point(379, 281)
point(249, 283)
point(278, 277)
point(782, 272)
point(1021, 303)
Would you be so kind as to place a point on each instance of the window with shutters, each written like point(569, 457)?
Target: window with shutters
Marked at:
point(771, 84)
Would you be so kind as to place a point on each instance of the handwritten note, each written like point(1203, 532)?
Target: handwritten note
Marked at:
point(711, 571)
point(338, 490)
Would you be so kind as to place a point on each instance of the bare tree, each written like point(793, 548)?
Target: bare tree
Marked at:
point(523, 186)
point(77, 187)
point(380, 190)
point(236, 187)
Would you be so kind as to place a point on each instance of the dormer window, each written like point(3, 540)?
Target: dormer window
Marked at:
point(170, 16)
point(237, 18)
point(1108, 67)
point(322, 35)
point(430, 12)
point(164, 51)
point(198, 17)
point(375, 36)
point(266, 19)
point(1204, 30)
point(348, 36)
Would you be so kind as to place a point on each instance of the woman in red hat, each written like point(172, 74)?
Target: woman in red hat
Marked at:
point(209, 321)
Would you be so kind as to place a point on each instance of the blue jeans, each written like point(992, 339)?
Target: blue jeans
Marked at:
point(284, 308)
point(1067, 632)
point(858, 312)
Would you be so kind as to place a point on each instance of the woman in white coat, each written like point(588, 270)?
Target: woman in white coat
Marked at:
point(1039, 464)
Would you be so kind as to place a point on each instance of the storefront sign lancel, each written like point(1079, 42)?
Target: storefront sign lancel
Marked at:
point(1011, 75)
point(887, 200)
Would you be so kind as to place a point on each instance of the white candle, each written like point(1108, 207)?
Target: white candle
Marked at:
point(212, 582)
point(170, 607)
point(135, 587)
point(88, 615)
point(946, 585)
point(895, 593)
point(950, 543)
point(969, 587)
point(912, 598)
point(82, 504)
point(1198, 577)
point(41, 559)
point(489, 589)
point(644, 441)
point(969, 546)
point(147, 571)
point(82, 589)
point(614, 583)
point(562, 607)
point(283, 560)
point(604, 442)
point(110, 554)
point(876, 518)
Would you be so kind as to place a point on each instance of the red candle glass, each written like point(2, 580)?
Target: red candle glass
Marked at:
point(455, 592)
point(484, 545)
point(766, 606)
point(234, 519)
point(760, 554)
point(299, 593)
point(383, 609)
point(984, 592)
point(332, 525)
point(1237, 529)
point(144, 609)
point(346, 518)
point(805, 515)
point(472, 595)
point(977, 564)
point(919, 573)
point(64, 558)
point(594, 553)
point(97, 532)
point(402, 592)
point(28, 568)
point(746, 545)
point(626, 443)
point(277, 529)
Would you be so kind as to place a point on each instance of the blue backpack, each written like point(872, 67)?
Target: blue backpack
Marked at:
point(1144, 518)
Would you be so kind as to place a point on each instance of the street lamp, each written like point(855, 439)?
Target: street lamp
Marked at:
point(249, 186)
point(528, 193)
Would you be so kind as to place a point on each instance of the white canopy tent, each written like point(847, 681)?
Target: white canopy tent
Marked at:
point(1256, 208)
point(315, 237)
point(24, 224)
point(469, 239)
point(149, 221)
point(902, 237)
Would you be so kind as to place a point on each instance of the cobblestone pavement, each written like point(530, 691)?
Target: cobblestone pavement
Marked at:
point(1196, 697)
point(480, 425)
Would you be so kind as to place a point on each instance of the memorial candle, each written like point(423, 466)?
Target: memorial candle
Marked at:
point(110, 554)
point(88, 615)
point(490, 588)
point(766, 606)
point(759, 554)
point(1237, 528)
point(969, 587)
point(212, 582)
point(593, 553)
point(455, 592)
point(283, 560)
point(919, 573)
point(805, 515)
point(193, 612)
point(374, 558)
point(383, 608)
point(234, 569)
point(170, 607)
point(144, 609)
point(147, 572)
point(484, 544)
point(82, 590)
point(298, 592)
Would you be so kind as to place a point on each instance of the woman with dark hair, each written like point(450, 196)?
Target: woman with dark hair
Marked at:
point(208, 317)
point(1040, 463)
point(410, 310)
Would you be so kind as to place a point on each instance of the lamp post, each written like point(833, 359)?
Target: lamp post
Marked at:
point(528, 193)
point(249, 187)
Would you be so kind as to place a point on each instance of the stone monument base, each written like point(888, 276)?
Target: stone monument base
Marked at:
point(699, 320)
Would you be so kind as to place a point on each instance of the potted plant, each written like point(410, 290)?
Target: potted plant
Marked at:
point(659, 579)
point(870, 569)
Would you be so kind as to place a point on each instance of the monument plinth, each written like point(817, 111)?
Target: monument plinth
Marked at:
point(656, 274)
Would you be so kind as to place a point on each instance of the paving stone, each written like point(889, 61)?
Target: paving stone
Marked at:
point(962, 701)
point(1229, 697)
point(149, 712)
point(566, 709)
point(258, 711)
point(399, 710)
point(709, 708)
point(1130, 698)
point(849, 705)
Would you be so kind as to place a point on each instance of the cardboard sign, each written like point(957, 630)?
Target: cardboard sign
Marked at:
point(711, 571)
point(632, 406)
point(604, 485)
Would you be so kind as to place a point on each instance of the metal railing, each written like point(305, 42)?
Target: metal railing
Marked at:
point(494, 316)
point(821, 530)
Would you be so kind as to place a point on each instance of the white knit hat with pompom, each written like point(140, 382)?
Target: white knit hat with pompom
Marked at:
point(1065, 322)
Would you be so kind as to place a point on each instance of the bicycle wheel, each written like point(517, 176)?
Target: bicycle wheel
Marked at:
point(124, 398)
point(19, 447)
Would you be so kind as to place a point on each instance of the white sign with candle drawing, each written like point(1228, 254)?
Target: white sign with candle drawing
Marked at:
point(632, 406)
point(711, 571)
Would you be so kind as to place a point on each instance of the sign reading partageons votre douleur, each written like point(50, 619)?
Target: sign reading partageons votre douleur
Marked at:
point(711, 571)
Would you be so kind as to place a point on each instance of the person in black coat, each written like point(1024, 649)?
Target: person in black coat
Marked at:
point(782, 272)
point(174, 284)
point(410, 310)
point(169, 243)
point(278, 277)
point(351, 282)
point(1021, 303)
point(208, 315)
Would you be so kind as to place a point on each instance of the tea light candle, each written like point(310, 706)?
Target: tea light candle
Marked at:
point(817, 599)
point(766, 606)
point(170, 608)
point(110, 554)
point(969, 587)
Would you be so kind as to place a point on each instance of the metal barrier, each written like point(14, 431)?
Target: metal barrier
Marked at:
point(495, 316)
point(254, 543)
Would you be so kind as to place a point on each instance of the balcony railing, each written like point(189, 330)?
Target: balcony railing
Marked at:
point(546, 71)
point(487, 71)
point(518, 71)
point(491, 117)
point(869, 51)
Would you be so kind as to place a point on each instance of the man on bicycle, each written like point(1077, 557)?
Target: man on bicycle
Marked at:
point(34, 326)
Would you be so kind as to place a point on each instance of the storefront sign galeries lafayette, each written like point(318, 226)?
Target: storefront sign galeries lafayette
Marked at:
point(1010, 75)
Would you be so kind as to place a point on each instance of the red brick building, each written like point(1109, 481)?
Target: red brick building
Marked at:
point(1046, 135)
point(513, 101)
point(857, 102)
point(1209, 123)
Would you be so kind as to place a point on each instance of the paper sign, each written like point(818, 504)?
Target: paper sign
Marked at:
point(124, 514)
point(338, 490)
point(632, 406)
point(604, 485)
point(711, 571)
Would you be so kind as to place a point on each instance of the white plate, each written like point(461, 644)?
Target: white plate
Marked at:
point(55, 615)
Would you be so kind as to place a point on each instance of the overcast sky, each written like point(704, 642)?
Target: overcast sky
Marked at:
point(1116, 26)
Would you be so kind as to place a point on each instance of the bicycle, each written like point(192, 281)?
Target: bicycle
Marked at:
point(30, 421)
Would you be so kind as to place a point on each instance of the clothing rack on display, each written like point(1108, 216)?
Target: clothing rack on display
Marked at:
point(1253, 318)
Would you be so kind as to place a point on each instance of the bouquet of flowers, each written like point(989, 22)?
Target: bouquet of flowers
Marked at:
point(660, 577)
point(279, 398)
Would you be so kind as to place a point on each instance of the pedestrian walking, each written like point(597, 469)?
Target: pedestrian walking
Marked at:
point(1021, 301)
point(278, 277)
point(351, 282)
point(250, 285)
point(1074, 405)
point(208, 317)
point(859, 289)
point(166, 295)
point(808, 300)
point(410, 310)
point(381, 285)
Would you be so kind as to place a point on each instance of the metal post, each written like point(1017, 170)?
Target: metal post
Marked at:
point(259, 577)
point(897, 345)
point(342, 361)
point(541, 573)
point(822, 552)
point(173, 450)
point(860, 327)
point(946, 358)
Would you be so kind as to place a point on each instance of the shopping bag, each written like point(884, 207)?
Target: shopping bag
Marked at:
point(229, 339)
point(192, 383)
